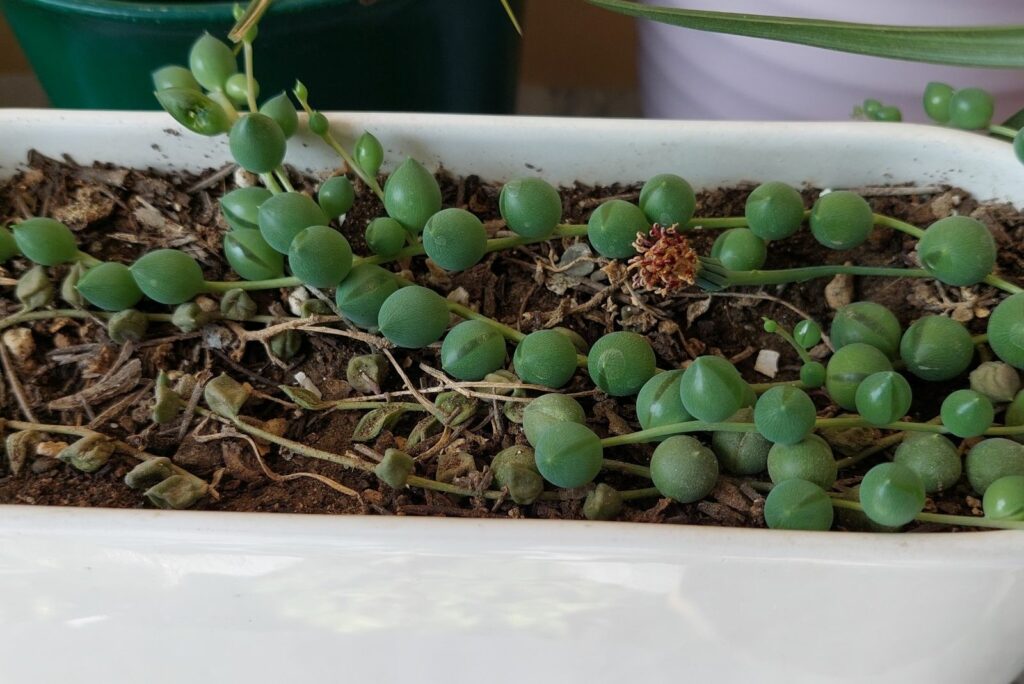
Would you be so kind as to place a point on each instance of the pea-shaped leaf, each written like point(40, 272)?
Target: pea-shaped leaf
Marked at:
point(369, 154)
point(847, 369)
point(545, 357)
point(472, 349)
point(934, 458)
point(195, 111)
point(257, 143)
point(360, 296)
point(237, 89)
point(413, 317)
point(241, 207)
point(712, 389)
point(110, 286)
point(785, 415)
point(668, 200)
point(251, 257)
point(891, 494)
point(883, 397)
point(936, 348)
point(967, 413)
point(531, 207)
point(320, 257)
point(455, 239)
point(740, 250)
point(621, 362)
point(550, 410)
point(570, 456)
point(741, 453)
point(385, 237)
point(683, 469)
point(395, 468)
point(45, 241)
point(613, 227)
point(1006, 330)
point(336, 196)
point(867, 322)
point(280, 109)
point(810, 460)
point(991, 459)
point(211, 62)
point(8, 247)
point(1004, 499)
point(376, 421)
point(841, 220)
point(168, 276)
point(798, 505)
point(774, 211)
point(515, 469)
point(285, 215)
point(958, 250)
point(174, 76)
point(412, 195)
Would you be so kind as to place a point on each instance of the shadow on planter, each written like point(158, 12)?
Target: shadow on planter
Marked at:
point(386, 55)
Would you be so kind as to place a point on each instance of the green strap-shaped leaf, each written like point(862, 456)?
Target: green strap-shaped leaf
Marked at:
point(971, 46)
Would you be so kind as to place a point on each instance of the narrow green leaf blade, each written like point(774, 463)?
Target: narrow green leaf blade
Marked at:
point(970, 46)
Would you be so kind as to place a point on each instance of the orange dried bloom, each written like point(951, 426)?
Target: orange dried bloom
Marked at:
point(665, 261)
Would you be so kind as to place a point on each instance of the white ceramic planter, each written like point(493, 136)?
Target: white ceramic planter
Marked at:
point(688, 74)
point(99, 596)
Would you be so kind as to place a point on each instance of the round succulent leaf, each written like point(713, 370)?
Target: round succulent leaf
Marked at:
point(1006, 330)
point(667, 199)
point(841, 220)
point(785, 415)
point(798, 505)
point(659, 402)
point(531, 207)
point(991, 459)
point(958, 250)
point(967, 413)
point(570, 456)
point(109, 286)
point(810, 460)
point(712, 389)
point(741, 453)
point(545, 357)
point(257, 143)
point(613, 227)
point(472, 349)
point(1004, 499)
point(336, 196)
point(883, 398)
point(320, 257)
point(936, 348)
point(936, 101)
point(280, 109)
point(934, 458)
point(240, 207)
point(683, 469)
point(739, 250)
point(455, 239)
point(211, 62)
point(891, 494)
point(285, 215)
point(621, 362)
point(168, 276)
point(412, 195)
point(413, 317)
point(847, 369)
point(251, 257)
point(971, 109)
point(45, 241)
point(385, 237)
point(369, 154)
point(774, 211)
point(360, 296)
point(547, 410)
point(174, 76)
point(867, 322)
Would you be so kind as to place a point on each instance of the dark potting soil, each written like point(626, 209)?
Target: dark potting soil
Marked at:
point(67, 371)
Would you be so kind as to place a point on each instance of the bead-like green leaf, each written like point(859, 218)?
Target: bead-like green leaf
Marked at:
point(320, 257)
point(336, 196)
point(251, 257)
point(280, 109)
point(110, 286)
point(369, 154)
point(413, 317)
point(285, 215)
point(45, 241)
point(195, 111)
point(455, 239)
point(241, 207)
point(211, 62)
point(168, 276)
point(257, 143)
point(360, 296)
point(412, 195)
point(174, 76)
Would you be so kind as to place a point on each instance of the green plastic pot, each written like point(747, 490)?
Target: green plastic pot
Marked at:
point(387, 55)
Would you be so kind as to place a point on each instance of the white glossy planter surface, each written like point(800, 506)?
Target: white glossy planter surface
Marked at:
point(99, 596)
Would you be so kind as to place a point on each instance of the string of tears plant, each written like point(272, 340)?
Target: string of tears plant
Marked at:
point(282, 238)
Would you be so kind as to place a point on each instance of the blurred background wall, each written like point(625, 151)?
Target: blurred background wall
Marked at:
point(575, 59)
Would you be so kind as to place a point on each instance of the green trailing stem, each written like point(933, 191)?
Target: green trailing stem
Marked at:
point(957, 520)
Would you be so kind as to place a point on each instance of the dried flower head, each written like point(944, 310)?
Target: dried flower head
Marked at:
point(665, 261)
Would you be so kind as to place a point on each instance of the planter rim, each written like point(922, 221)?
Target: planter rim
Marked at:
point(166, 11)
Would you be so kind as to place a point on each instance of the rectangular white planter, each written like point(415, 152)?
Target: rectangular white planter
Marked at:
point(99, 595)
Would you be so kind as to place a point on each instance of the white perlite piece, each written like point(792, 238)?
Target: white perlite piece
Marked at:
point(767, 363)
